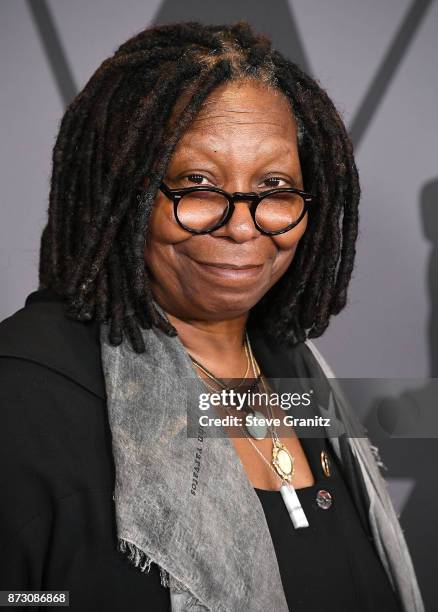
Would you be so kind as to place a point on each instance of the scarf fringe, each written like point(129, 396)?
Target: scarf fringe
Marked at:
point(141, 560)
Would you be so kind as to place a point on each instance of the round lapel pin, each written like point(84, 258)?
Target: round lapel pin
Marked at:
point(324, 499)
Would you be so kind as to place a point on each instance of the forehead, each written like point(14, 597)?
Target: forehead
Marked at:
point(243, 109)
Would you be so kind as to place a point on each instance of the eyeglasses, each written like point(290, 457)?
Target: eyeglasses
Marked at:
point(201, 210)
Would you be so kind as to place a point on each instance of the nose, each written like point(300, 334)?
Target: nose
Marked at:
point(240, 227)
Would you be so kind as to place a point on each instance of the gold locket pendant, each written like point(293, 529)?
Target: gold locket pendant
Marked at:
point(282, 461)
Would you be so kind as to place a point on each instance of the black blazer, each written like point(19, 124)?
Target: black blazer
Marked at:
point(57, 522)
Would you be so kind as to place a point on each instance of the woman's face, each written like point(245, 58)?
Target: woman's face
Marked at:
point(243, 139)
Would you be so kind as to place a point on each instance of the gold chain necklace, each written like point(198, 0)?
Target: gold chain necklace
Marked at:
point(216, 380)
point(282, 463)
point(282, 460)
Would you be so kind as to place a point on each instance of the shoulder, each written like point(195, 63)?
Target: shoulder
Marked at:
point(320, 364)
point(51, 381)
point(54, 438)
point(41, 334)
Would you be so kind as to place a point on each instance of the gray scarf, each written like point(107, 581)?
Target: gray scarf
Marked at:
point(213, 549)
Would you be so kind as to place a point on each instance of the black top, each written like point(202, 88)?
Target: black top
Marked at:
point(330, 565)
point(57, 521)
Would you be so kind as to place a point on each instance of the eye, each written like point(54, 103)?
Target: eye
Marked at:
point(196, 178)
point(273, 181)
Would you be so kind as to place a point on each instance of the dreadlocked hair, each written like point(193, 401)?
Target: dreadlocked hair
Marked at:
point(125, 124)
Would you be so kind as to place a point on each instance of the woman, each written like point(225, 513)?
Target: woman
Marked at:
point(202, 226)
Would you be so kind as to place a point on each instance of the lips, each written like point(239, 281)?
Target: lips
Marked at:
point(230, 266)
point(230, 272)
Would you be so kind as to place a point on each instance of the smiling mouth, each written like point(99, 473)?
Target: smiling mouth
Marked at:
point(230, 271)
point(229, 266)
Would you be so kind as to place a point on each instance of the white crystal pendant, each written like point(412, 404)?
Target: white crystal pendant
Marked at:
point(282, 461)
point(258, 432)
point(292, 503)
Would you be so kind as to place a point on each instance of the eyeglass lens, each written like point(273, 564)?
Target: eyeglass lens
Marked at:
point(202, 210)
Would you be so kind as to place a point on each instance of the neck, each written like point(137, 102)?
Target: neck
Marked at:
point(217, 345)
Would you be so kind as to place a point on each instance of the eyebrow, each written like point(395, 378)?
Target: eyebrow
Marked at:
point(207, 151)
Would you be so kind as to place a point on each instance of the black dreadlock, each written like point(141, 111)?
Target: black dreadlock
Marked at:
point(124, 125)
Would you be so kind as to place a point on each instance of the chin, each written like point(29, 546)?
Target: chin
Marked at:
point(226, 306)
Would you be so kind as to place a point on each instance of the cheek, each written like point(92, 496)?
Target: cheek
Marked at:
point(163, 230)
point(287, 244)
point(163, 234)
point(291, 238)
